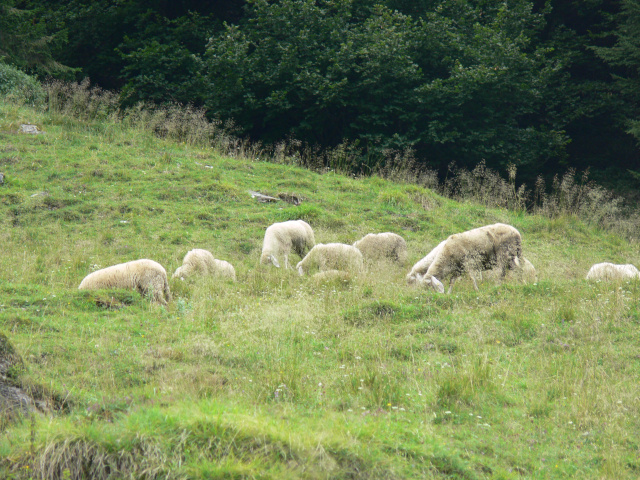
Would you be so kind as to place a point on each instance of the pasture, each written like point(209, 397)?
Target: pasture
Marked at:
point(277, 376)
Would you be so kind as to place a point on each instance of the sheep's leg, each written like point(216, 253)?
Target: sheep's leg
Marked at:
point(286, 261)
point(451, 282)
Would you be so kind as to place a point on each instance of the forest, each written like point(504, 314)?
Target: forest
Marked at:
point(544, 86)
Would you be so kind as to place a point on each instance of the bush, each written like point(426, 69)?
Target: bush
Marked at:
point(18, 86)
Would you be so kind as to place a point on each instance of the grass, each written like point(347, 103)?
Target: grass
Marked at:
point(278, 376)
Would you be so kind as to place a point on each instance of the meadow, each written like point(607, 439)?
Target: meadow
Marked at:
point(277, 376)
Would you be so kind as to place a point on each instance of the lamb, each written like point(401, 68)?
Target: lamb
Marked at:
point(332, 256)
point(202, 262)
point(611, 272)
point(145, 276)
point(281, 238)
point(483, 248)
point(378, 246)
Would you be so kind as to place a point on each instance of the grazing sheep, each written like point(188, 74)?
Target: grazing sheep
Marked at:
point(281, 238)
point(332, 276)
point(610, 271)
point(145, 276)
point(378, 246)
point(202, 262)
point(483, 248)
point(423, 265)
point(527, 271)
point(332, 256)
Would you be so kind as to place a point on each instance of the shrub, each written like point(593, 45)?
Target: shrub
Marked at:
point(19, 87)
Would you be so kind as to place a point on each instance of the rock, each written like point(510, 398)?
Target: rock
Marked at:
point(262, 198)
point(30, 129)
point(12, 397)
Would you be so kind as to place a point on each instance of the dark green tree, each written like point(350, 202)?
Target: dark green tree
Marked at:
point(624, 57)
point(463, 83)
point(25, 41)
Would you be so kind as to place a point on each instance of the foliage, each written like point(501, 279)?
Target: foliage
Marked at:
point(19, 86)
point(25, 42)
point(389, 81)
point(625, 57)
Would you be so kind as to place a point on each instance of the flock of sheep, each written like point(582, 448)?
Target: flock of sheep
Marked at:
point(497, 246)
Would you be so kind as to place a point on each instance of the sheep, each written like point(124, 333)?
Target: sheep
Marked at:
point(610, 271)
point(199, 261)
point(483, 248)
point(145, 276)
point(332, 276)
point(332, 256)
point(377, 246)
point(527, 271)
point(281, 238)
point(423, 265)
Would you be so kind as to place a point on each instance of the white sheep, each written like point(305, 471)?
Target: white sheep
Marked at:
point(145, 276)
point(527, 271)
point(484, 248)
point(332, 276)
point(202, 262)
point(281, 238)
point(332, 256)
point(611, 271)
point(379, 246)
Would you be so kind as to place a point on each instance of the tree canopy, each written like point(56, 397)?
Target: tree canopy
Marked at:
point(539, 84)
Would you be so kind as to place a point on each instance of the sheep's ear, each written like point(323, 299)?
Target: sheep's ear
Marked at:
point(275, 262)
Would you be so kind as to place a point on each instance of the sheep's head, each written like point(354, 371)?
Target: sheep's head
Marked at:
point(269, 259)
point(412, 278)
point(431, 281)
point(178, 273)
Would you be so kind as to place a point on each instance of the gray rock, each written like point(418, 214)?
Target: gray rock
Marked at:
point(30, 129)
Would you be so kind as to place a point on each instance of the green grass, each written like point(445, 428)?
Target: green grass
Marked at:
point(277, 376)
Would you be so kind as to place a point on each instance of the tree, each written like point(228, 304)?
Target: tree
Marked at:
point(25, 43)
point(463, 82)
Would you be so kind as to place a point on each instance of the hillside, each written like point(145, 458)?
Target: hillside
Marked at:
point(279, 377)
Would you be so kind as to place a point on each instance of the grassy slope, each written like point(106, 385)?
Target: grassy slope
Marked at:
point(275, 376)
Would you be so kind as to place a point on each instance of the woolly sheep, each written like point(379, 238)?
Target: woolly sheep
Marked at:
point(528, 271)
point(611, 271)
point(202, 262)
point(483, 248)
point(332, 276)
point(378, 246)
point(281, 238)
point(145, 276)
point(332, 256)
